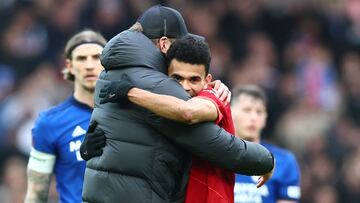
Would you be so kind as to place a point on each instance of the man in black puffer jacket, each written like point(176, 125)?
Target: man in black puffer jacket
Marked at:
point(146, 158)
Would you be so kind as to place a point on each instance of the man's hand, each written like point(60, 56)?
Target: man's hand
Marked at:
point(93, 143)
point(116, 91)
point(223, 92)
point(263, 179)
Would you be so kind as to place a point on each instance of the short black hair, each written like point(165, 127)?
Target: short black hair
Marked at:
point(251, 90)
point(190, 49)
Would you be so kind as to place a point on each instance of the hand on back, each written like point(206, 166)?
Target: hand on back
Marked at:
point(223, 92)
point(116, 91)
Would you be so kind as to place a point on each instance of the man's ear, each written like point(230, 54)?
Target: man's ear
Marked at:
point(164, 44)
point(208, 78)
point(266, 115)
point(68, 65)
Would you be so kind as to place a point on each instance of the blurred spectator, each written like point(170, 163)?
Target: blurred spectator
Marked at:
point(350, 185)
point(317, 100)
point(7, 81)
point(40, 90)
point(325, 193)
point(24, 42)
point(348, 36)
point(317, 80)
point(13, 188)
point(350, 71)
point(220, 60)
point(112, 16)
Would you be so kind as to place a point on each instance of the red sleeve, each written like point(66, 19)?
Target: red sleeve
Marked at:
point(210, 94)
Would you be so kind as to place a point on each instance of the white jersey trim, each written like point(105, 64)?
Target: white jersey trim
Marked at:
point(41, 162)
point(294, 192)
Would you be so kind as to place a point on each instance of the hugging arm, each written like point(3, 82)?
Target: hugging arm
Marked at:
point(192, 111)
point(206, 139)
point(211, 142)
point(219, 147)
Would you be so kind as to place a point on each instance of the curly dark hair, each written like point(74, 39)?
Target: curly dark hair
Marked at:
point(190, 49)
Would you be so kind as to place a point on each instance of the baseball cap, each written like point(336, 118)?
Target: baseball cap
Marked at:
point(159, 21)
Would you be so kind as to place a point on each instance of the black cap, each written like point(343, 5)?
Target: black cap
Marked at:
point(159, 21)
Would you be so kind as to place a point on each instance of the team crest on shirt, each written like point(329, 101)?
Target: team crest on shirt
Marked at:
point(78, 131)
point(74, 145)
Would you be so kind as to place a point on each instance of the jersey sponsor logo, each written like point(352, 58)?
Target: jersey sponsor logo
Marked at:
point(75, 147)
point(78, 131)
point(249, 193)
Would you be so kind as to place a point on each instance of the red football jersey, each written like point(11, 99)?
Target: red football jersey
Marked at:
point(207, 183)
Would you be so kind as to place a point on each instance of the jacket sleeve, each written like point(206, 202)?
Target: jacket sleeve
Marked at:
point(211, 142)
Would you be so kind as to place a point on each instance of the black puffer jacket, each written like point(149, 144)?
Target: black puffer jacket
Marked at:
point(146, 157)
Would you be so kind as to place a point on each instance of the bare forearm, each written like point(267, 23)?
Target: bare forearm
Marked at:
point(162, 105)
point(192, 111)
point(38, 187)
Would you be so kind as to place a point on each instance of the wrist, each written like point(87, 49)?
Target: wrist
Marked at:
point(133, 92)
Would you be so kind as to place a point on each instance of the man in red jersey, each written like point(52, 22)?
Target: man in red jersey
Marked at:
point(189, 59)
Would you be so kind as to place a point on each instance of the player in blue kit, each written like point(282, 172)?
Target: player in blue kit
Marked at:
point(59, 131)
point(248, 106)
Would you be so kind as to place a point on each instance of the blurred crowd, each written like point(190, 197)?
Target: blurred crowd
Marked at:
point(305, 54)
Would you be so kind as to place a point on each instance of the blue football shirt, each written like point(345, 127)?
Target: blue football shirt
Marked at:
point(60, 131)
point(283, 185)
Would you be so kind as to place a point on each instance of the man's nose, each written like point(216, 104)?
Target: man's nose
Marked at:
point(90, 64)
point(185, 85)
point(253, 116)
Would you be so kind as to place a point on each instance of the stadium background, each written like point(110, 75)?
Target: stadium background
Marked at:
point(304, 53)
